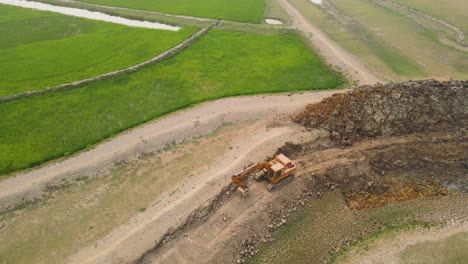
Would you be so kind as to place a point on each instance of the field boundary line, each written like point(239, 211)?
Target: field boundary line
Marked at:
point(76, 84)
point(200, 19)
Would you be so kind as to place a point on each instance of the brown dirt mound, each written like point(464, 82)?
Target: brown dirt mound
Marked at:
point(391, 110)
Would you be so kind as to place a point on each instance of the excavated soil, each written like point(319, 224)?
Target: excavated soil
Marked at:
point(391, 110)
point(374, 146)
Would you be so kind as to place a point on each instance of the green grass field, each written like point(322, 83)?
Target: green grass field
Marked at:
point(222, 63)
point(239, 10)
point(40, 49)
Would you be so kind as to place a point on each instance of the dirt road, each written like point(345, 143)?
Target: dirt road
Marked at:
point(330, 50)
point(378, 172)
point(154, 136)
point(221, 237)
point(128, 242)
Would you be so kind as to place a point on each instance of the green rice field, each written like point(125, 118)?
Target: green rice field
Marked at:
point(222, 63)
point(40, 49)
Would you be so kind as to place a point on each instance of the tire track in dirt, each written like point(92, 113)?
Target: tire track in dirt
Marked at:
point(128, 242)
point(330, 50)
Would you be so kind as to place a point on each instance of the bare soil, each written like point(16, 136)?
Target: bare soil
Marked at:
point(236, 228)
point(371, 171)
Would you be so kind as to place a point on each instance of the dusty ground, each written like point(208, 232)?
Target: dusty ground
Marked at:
point(374, 172)
point(127, 242)
point(236, 228)
point(144, 215)
point(103, 215)
point(394, 247)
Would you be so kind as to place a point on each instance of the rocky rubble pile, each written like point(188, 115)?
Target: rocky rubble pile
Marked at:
point(278, 218)
point(391, 109)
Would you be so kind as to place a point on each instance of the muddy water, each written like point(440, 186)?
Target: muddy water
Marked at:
point(88, 14)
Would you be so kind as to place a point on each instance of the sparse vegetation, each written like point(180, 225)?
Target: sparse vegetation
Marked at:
point(396, 44)
point(414, 38)
point(324, 231)
point(40, 49)
point(388, 230)
point(453, 249)
point(453, 11)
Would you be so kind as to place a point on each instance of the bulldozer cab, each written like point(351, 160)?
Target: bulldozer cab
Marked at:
point(276, 171)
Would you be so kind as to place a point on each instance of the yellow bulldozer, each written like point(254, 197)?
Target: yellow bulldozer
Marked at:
point(274, 171)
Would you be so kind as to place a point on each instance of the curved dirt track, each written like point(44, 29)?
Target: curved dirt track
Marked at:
point(220, 238)
point(330, 50)
point(389, 250)
point(154, 136)
point(126, 243)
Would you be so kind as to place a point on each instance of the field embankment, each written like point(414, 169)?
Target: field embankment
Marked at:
point(221, 63)
point(241, 10)
point(76, 84)
point(41, 49)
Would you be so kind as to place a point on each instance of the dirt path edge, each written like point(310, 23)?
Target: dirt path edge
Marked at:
point(156, 135)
